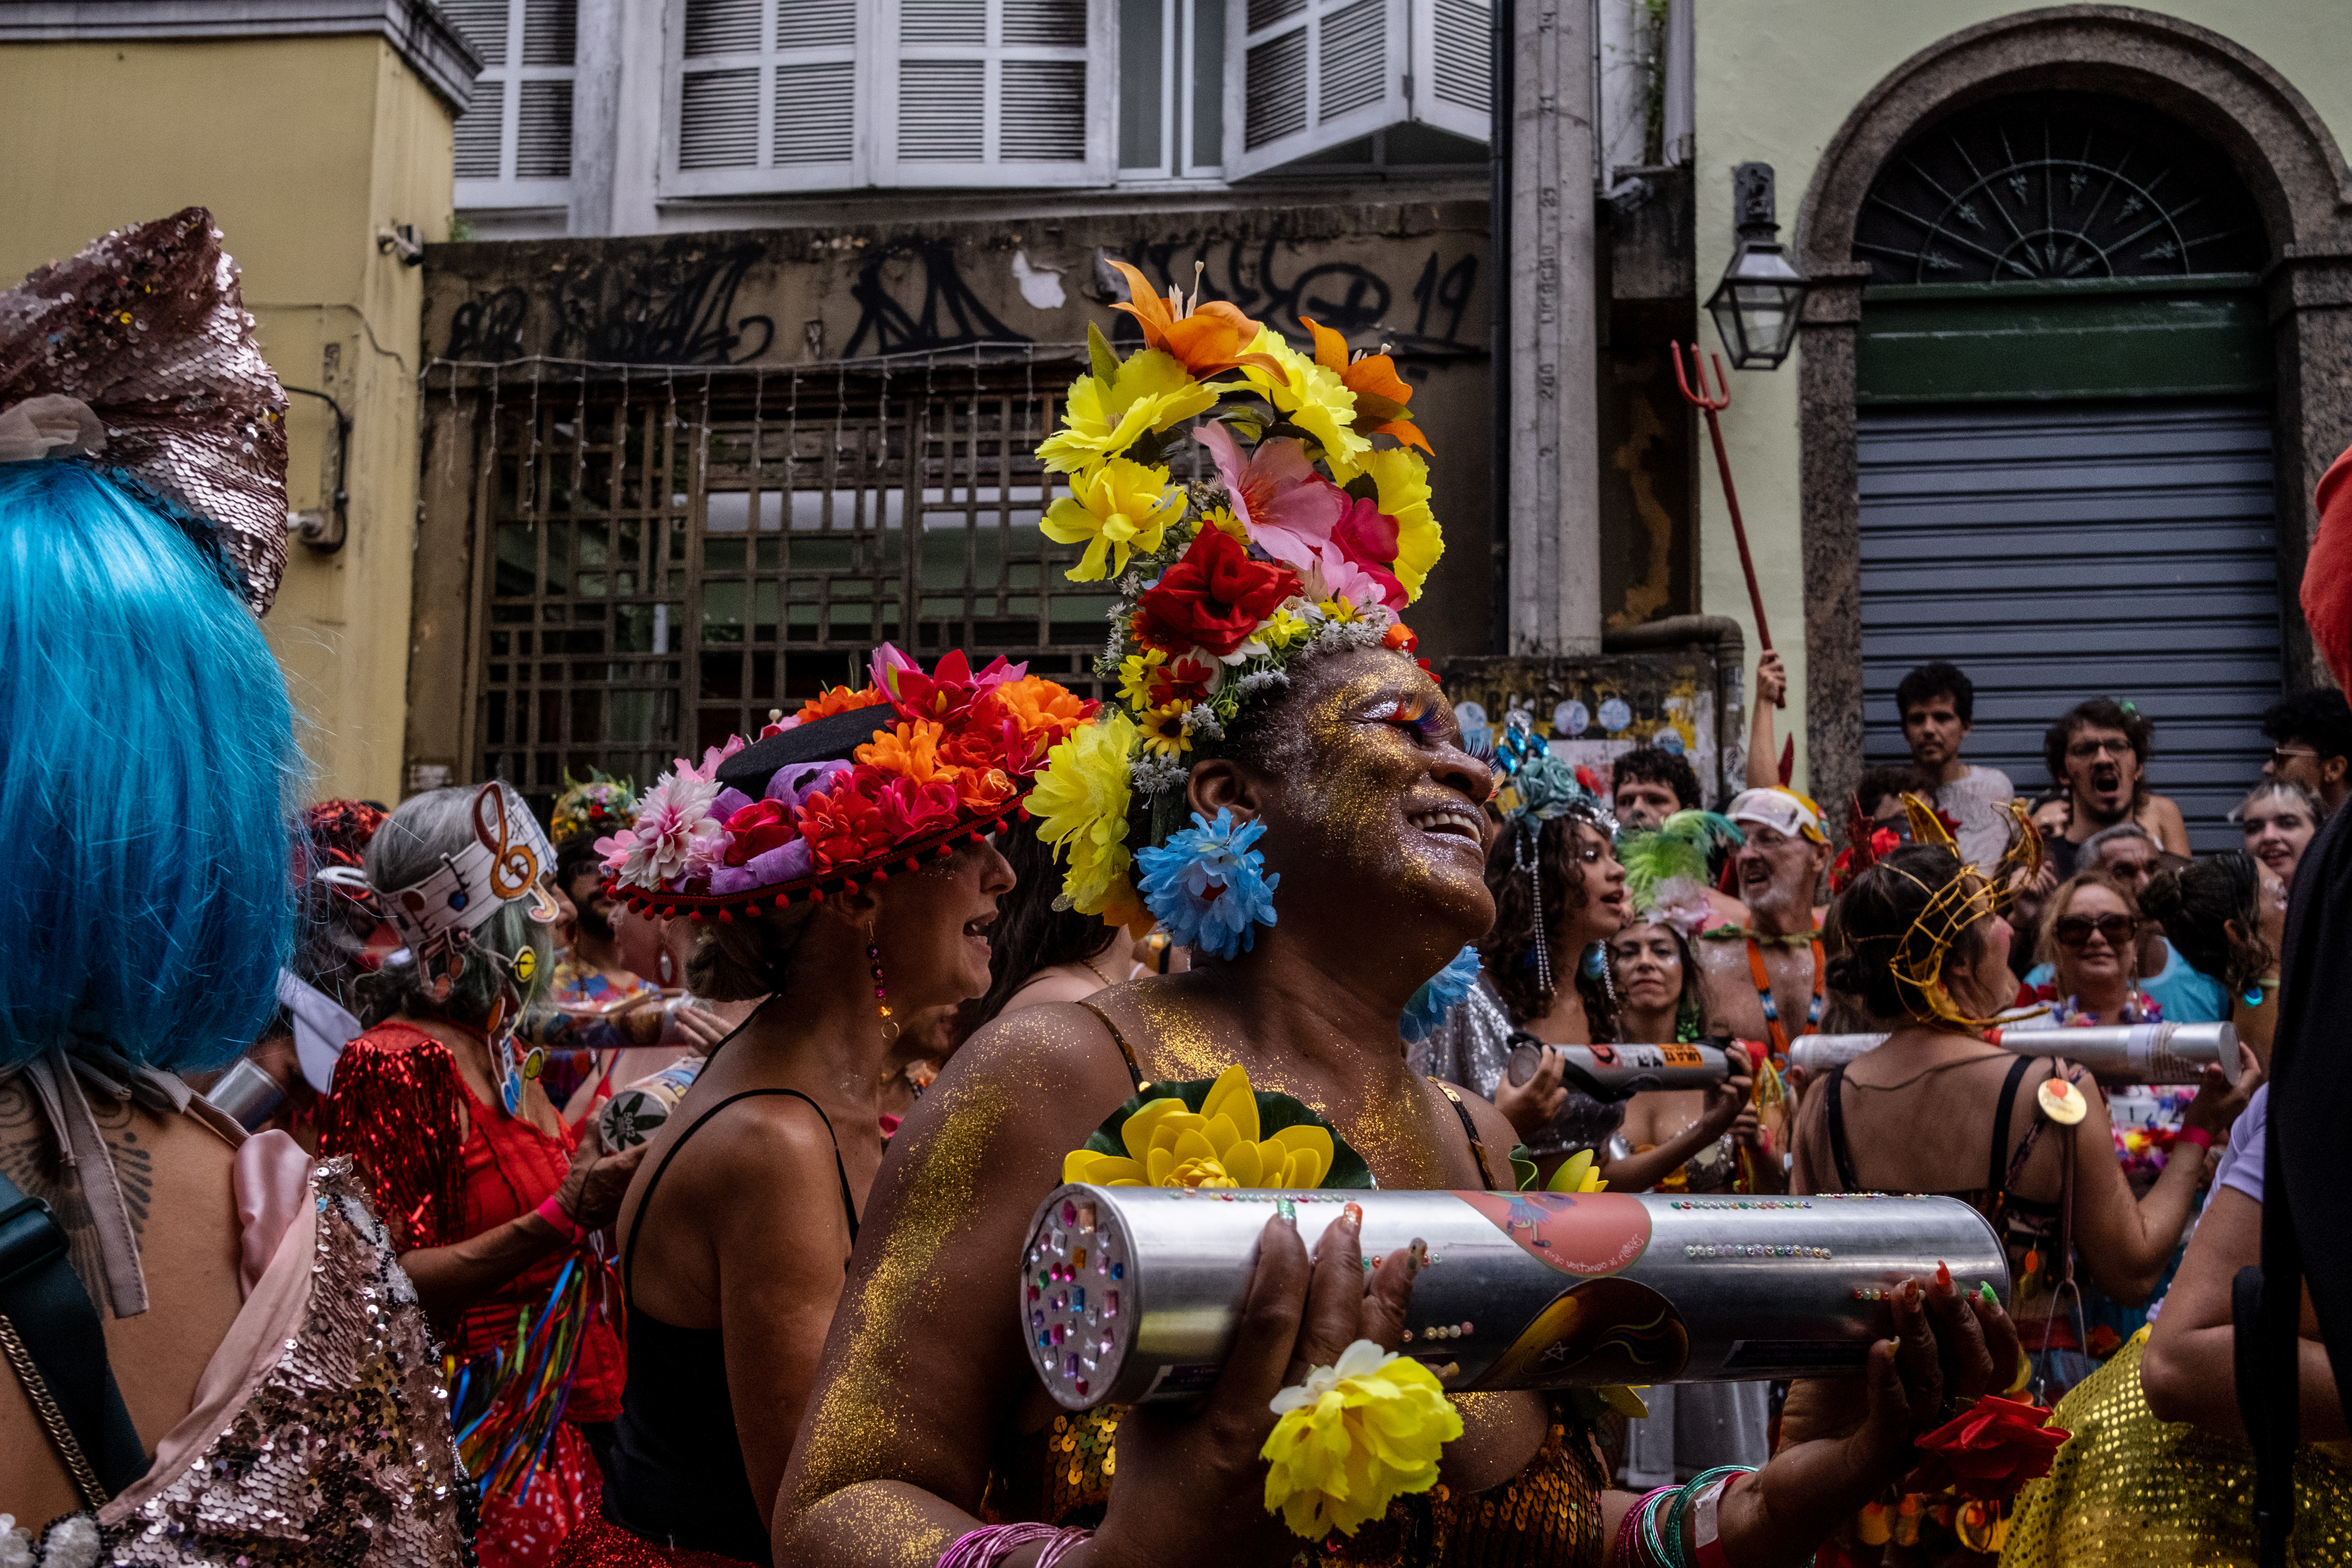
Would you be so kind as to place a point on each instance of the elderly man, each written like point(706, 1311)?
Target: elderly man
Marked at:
point(1764, 981)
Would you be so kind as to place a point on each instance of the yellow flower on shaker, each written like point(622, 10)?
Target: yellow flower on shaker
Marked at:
point(1216, 1146)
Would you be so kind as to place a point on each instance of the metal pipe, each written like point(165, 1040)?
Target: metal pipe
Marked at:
point(1134, 1293)
point(1500, 103)
point(2119, 1053)
point(343, 496)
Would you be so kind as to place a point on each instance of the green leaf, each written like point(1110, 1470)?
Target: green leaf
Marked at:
point(1523, 1166)
point(1275, 1113)
point(1099, 351)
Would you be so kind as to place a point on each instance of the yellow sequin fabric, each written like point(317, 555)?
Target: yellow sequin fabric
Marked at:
point(2129, 1490)
point(341, 1453)
point(1546, 1516)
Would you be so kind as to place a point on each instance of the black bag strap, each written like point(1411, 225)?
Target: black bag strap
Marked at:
point(51, 1336)
point(1835, 1084)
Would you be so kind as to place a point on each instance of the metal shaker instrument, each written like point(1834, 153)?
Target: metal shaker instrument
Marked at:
point(1616, 1071)
point(1134, 1293)
point(637, 1112)
point(2119, 1053)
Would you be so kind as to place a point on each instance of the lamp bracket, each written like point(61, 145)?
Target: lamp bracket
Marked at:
point(1755, 207)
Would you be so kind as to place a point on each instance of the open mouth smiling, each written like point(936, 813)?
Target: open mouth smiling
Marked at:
point(1458, 821)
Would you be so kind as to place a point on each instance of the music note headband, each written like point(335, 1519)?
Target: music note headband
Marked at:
point(439, 912)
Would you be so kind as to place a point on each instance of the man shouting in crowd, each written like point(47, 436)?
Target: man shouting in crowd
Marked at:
point(2098, 756)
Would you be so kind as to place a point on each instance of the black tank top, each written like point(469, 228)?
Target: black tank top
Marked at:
point(676, 1474)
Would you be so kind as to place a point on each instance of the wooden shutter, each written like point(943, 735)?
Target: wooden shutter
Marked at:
point(514, 143)
point(1312, 74)
point(994, 92)
point(766, 96)
point(1452, 65)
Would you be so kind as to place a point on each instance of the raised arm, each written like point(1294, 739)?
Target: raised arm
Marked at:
point(1763, 747)
point(2123, 1242)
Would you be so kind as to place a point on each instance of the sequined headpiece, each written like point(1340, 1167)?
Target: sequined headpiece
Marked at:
point(1314, 535)
point(138, 358)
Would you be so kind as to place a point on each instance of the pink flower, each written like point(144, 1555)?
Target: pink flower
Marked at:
point(946, 693)
point(711, 757)
point(914, 811)
point(1285, 506)
point(674, 835)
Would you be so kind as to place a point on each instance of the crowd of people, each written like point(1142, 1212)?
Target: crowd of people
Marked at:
point(644, 1186)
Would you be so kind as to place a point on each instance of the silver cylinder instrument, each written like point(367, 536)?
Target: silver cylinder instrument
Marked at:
point(1622, 1071)
point(1134, 1293)
point(2119, 1053)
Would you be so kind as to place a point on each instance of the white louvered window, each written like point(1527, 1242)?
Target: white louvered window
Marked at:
point(779, 96)
point(1312, 75)
point(514, 144)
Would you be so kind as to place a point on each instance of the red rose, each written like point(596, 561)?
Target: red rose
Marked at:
point(843, 826)
point(1988, 1452)
point(911, 810)
point(1214, 598)
point(762, 825)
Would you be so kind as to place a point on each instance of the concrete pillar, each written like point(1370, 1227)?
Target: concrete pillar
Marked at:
point(1555, 481)
point(615, 116)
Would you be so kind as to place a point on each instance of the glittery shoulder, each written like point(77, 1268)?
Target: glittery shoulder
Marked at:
point(342, 1454)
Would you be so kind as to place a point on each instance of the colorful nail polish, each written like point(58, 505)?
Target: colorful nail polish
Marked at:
point(1943, 1275)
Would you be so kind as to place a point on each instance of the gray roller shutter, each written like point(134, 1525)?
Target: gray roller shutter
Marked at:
point(2056, 554)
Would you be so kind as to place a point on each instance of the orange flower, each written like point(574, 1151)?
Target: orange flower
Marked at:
point(837, 700)
point(1205, 338)
point(1123, 907)
point(1046, 712)
point(1381, 394)
point(910, 750)
point(982, 790)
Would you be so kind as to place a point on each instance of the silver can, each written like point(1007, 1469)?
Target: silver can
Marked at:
point(1133, 1293)
point(2118, 1053)
point(1621, 1070)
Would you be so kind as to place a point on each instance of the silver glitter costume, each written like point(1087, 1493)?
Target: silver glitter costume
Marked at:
point(1472, 1045)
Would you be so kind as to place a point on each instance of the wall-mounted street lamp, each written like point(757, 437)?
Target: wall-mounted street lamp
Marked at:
point(1762, 297)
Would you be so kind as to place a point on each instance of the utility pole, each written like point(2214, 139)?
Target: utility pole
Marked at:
point(1554, 503)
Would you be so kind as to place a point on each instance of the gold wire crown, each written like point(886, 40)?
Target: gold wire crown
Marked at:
point(1953, 909)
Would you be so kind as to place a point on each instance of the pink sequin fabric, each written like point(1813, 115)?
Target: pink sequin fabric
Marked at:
point(148, 327)
point(341, 1453)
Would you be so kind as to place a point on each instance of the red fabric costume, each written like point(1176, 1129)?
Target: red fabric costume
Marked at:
point(439, 1177)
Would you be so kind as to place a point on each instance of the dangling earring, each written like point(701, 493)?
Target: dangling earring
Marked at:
point(881, 992)
point(666, 968)
point(1533, 866)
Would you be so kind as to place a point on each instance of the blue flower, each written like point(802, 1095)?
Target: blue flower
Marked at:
point(1439, 995)
point(1208, 887)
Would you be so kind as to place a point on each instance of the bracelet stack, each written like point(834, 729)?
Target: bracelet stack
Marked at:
point(991, 1544)
point(1651, 1535)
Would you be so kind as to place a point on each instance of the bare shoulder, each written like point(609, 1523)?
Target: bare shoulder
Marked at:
point(1061, 983)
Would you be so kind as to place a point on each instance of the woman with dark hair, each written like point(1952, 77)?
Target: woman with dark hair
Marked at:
point(2226, 916)
point(1558, 892)
point(492, 1198)
point(839, 866)
point(1037, 952)
point(213, 1357)
point(1921, 946)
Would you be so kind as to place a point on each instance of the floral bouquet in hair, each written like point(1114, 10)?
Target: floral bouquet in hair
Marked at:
point(1312, 532)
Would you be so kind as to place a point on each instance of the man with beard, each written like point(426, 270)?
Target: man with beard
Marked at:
point(2098, 756)
point(1764, 982)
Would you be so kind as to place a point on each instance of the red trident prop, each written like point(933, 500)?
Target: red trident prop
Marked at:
point(1712, 403)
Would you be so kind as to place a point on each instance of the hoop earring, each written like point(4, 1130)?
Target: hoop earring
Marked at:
point(881, 992)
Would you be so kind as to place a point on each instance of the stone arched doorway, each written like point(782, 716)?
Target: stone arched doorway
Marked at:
point(2271, 274)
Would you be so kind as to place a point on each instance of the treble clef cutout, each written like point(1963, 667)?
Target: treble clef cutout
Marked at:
point(514, 866)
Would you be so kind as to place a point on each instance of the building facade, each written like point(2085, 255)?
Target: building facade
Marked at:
point(2080, 347)
point(320, 134)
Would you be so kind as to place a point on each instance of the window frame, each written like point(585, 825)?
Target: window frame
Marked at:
point(509, 190)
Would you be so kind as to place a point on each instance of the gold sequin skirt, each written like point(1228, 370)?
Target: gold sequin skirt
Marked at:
point(2129, 1490)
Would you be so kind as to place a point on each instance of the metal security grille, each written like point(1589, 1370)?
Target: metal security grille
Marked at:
point(2058, 554)
point(674, 555)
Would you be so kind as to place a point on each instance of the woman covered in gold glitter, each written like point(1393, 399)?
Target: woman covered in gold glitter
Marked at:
point(1334, 864)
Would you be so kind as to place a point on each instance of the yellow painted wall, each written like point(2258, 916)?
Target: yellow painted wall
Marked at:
point(303, 148)
point(1775, 78)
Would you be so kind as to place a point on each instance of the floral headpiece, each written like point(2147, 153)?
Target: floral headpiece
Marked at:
point(1312, 537)
point(599, 803)
point(861, 782)
point(1535, 786)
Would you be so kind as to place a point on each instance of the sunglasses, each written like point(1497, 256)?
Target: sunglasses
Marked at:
point(2073, 931)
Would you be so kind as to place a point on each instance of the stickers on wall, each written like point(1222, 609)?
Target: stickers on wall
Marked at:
point(1615, 715)
point(1668, 739)
point(1572, 718)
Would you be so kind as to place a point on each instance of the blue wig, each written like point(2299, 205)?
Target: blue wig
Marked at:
point(151, 768)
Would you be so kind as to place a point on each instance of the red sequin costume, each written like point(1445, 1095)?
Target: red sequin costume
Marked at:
point(438, 1178)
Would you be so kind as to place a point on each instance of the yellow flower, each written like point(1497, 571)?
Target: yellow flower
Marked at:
point(1135, 677)
point(1353, 1438)
point(1116, 507)
point(1163, 730)
point(1151, 391)
point(1217, 1146)
point(1283, 629)
point(1342, 610)
point(1221, 517)
point(1315, 399)
point(1401, 477)
point(1577, 1175)
point(1081, 805)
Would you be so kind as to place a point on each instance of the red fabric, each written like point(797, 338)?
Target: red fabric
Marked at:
point(598, 1542)
point(1214, 597)
point(2327, 573)
point(398, 1093)
point(530, 1531)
